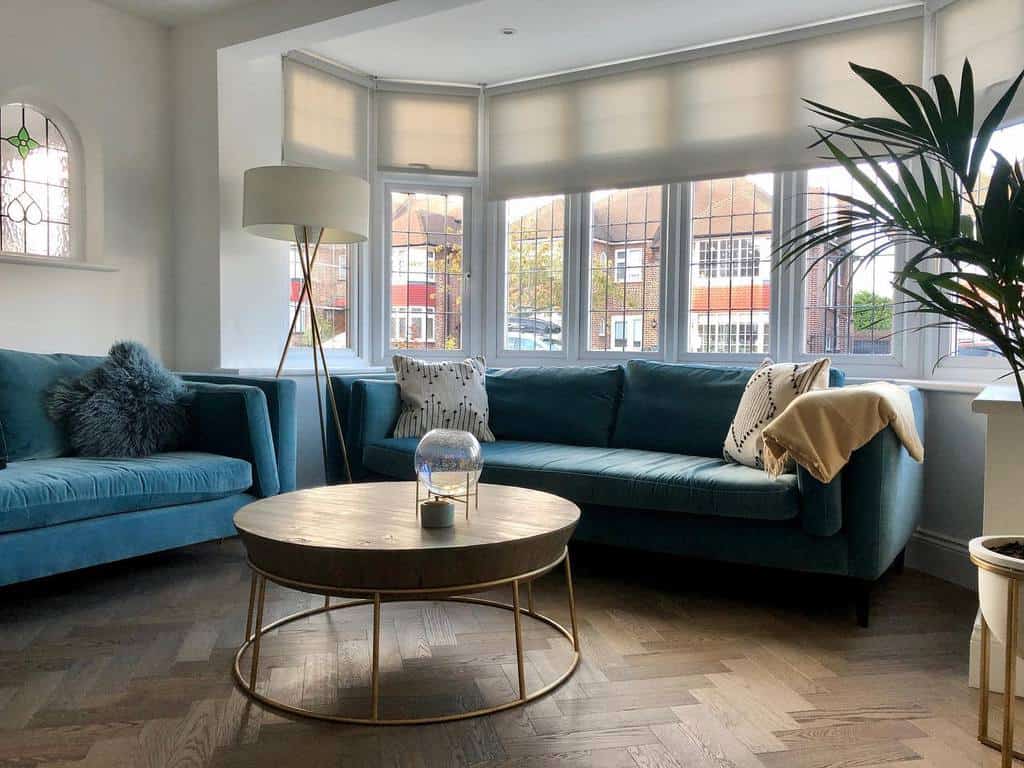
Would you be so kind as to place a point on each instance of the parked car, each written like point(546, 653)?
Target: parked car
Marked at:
point(529, 322)
point(528, 342)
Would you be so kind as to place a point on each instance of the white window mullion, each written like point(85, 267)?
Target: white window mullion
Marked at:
point(574, 273)
point(786, 333)
point(676, 235)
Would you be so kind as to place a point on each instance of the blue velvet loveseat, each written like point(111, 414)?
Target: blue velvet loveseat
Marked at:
point(639, 448)
point(60, 512)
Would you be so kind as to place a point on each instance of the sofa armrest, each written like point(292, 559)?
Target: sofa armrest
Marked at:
point(821, 504)
point(882, 497)
point(280, 401)
point(233, 420)
point(371, 407)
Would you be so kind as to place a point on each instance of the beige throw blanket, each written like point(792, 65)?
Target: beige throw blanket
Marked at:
point(820, 429)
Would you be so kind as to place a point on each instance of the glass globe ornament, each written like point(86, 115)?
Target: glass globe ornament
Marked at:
point(448, 462)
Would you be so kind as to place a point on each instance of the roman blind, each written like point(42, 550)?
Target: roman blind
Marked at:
point(692, 116)
point(990, 33)
point(435, 131)
point(325, 119)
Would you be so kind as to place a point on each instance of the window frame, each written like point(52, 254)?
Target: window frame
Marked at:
point(582, 313)
point(496, 338)
point(686, 254)
point(300, 358)
point(414, 184)
point(899, 362)
point(949, 366)
point(83, 234)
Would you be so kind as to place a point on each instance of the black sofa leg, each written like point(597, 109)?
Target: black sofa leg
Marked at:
point(900, 561)
point(862, 598)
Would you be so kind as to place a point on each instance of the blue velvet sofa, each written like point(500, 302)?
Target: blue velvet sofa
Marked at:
point(639, 448)
point(60, 512)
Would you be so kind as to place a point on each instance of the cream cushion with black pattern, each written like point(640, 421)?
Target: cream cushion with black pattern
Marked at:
point(771, 388)
point(442, 395)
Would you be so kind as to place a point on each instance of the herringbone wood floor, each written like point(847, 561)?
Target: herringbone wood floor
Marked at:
point(685, 665)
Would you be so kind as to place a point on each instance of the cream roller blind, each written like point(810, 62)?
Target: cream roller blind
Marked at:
point(991, 34)
point(325, 120)
point(721, 115)
point(427, 131)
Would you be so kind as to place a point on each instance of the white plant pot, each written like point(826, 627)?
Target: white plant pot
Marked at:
point(992, 586)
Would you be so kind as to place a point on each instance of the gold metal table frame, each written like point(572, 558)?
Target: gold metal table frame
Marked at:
point(254, 631)
point(1005, 747)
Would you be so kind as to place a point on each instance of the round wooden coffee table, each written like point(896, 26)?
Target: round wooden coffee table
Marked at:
point(365, 542)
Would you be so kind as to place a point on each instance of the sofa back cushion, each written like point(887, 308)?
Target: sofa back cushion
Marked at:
point(681, 408)
point(570, 405)
point(25, 379)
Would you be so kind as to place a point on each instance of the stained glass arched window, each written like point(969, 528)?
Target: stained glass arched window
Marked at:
point(35, 184)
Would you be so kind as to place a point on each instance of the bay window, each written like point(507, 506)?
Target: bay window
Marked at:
point(624, 296)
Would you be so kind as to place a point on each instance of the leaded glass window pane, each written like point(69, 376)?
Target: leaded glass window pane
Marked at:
point(35, 184)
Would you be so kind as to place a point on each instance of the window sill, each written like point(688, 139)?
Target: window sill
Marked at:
point(927, 385)
point(42, 261)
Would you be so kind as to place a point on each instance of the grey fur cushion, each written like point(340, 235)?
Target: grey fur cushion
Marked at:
point(128, 406)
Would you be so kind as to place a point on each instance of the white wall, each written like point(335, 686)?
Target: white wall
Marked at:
point(954, 473)
point(212, 57)
point(108, 73)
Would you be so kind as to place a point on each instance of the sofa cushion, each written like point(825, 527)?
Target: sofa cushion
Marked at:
point(25, 379)
point(571, 405)
point(618, 477)
point(681, 408)
point(43, 492)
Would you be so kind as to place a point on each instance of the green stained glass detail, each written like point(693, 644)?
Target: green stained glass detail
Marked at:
point(22, 142)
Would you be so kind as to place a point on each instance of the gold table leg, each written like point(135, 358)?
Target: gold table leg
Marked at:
point(519, 639)
point(572, 604)
point(258, 629)
point(375, 670)
point(252, 605)
point(529, 598)
point(255, 629)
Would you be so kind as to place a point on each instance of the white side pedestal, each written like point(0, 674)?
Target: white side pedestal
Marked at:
point(1004, 497)
point(997, 665)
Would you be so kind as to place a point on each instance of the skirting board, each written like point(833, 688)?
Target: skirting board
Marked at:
point(942, 556)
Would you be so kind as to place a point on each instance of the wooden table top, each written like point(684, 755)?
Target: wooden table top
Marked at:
point(368, 536)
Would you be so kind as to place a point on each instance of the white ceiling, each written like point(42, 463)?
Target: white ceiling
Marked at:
point(465, 44)
point(172, 12)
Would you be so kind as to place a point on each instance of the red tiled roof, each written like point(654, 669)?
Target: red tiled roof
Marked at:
point(340, 302)
point(414, 295)
point(737, 298)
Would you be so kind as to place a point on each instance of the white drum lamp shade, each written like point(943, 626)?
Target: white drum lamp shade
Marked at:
point(279, 198)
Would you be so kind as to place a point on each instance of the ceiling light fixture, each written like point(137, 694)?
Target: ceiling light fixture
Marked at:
point(508, 31)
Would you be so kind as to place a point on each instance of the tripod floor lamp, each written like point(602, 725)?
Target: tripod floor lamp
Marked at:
point(310, 207)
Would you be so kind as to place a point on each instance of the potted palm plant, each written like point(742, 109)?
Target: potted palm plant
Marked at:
point(920, 171)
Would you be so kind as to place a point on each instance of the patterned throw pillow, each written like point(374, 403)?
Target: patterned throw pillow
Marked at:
point(447, 395)
point(771, 388)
